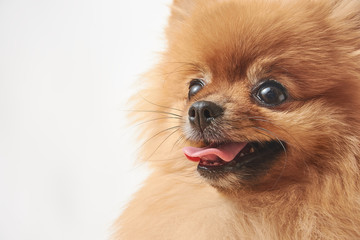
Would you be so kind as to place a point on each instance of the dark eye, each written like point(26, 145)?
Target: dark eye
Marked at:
point(195, 86)
point(270, 93)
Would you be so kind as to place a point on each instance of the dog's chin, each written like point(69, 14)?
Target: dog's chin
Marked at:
point(246, 169)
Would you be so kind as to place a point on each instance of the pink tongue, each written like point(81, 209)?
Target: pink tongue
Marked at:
point(226, 152)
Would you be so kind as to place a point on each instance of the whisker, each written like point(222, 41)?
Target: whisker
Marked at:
point(163, 142)
point(154, 111)
point(159, 105)
point(177, 141)
point(157, 135)
point(155, 119)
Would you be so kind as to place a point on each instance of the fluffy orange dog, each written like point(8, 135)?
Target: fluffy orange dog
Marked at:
point(251, 124)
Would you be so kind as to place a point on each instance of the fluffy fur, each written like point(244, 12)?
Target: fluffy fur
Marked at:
point(312, 191)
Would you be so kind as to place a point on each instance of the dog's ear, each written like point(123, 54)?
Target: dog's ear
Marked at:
point(348, 10)
point(346, 15)
point(180, 10)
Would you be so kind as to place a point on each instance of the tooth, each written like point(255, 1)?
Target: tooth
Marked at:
point(242, 154)
point(252, 150)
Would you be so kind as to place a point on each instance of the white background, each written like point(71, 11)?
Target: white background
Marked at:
point(66, 155)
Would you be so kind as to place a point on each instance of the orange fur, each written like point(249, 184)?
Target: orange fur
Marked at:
point(311, 192)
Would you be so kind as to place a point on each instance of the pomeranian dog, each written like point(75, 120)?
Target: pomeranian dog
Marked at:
point(251, 124)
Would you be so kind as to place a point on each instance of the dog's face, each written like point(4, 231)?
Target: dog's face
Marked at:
point(267, 89)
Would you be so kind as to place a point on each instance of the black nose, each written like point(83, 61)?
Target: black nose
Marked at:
point(202, 113)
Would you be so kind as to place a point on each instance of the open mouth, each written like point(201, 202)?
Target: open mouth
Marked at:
point(229, 157)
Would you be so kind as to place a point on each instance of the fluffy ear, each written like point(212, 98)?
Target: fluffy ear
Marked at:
point(347, 14)
point(180, 10)
point(347, 10)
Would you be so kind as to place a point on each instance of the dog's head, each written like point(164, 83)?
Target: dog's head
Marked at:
point(263, 93)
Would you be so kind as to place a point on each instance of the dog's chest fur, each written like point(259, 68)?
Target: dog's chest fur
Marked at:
point(173, 210)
